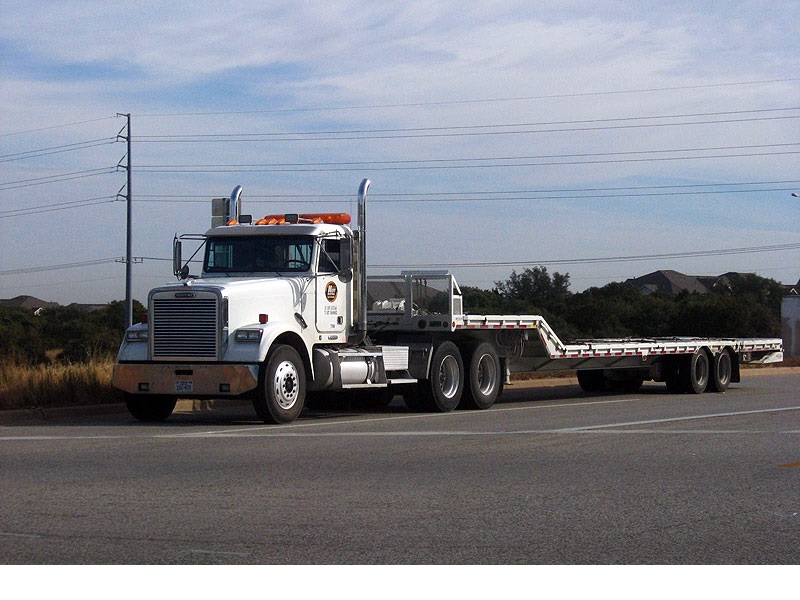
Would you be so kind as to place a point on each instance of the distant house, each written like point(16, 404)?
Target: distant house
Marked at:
point(668, 282)
point(673, 283)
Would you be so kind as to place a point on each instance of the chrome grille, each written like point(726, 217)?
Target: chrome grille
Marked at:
point(185, 328)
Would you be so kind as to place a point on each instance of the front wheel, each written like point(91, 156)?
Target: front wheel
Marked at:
point(282, 390)
point(150, 408)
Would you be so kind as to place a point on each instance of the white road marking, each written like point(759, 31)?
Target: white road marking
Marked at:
point(218, 553)
point(301, 429)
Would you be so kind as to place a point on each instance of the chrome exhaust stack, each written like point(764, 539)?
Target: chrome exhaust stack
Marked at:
point(362, 260)
point(235, 206)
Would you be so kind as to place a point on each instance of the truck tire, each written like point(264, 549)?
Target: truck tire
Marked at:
point(150, 408)
point(484, 377)
point(442, 391)
point(673, 377)
point(631, 385)
point(592, 380)
point(282, 389)
point(694, 371)
point(721, 370)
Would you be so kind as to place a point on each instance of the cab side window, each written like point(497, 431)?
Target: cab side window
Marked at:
point(330, 256)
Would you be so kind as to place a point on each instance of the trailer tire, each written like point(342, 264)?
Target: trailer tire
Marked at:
point(673, 377)
point(150, 408)
point(442, 391)
point(694, 372)
point(483, 380)
point(721, 372)
point(592, 380)
point(282, 389)
point(628, 386)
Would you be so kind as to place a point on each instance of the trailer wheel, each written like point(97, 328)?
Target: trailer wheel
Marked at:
point(592, 380)
point(672, 376)
point(629, 386)
point(694, 372)
point(150, 408)
point(282, 390)
point(484, 378)
point(720, 372)
point(442, 391)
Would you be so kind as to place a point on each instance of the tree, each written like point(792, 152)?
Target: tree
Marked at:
point(21, 339)
point(537, 288)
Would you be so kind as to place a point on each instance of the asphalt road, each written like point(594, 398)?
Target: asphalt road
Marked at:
point(549, 475)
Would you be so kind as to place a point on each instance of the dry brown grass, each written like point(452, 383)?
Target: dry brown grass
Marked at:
point(52, 385)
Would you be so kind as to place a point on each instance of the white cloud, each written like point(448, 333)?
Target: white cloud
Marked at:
point(76, 61)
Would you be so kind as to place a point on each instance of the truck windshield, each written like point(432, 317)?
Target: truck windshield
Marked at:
point(257, 254)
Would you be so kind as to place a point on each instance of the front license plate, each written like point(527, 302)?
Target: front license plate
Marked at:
point(184, 385)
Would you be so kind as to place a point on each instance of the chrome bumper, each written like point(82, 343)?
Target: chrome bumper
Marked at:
point(185, 380)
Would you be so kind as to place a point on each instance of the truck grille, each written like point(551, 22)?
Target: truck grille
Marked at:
point(185, 328)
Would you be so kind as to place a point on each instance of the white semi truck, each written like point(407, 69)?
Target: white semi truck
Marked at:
point(284, 308)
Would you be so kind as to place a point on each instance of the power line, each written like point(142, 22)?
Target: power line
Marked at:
point(401, 195)
point(73, 124)
point(437, 197)
point(22, 183)
point(18, 212)
point(476, 101)
point(609, 259)
point(452, 163)
point(531, 197)
point(456, 130)
point(568, 261)
point(73, 265)
point(57, 149)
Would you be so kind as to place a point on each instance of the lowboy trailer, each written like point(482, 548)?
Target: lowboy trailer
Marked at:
point(284, 308)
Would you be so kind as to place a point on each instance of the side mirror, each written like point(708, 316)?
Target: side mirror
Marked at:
point(184, 272)
point(176, 257)
point(346, 254)
point(346, 260)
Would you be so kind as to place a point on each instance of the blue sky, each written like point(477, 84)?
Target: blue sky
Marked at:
point(497, 136)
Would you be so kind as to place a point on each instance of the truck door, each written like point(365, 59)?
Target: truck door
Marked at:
point(332, 293)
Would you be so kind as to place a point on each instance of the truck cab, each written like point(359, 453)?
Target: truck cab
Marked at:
point(284, 283)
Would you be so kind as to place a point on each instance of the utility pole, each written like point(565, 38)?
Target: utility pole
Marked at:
point(129, 243)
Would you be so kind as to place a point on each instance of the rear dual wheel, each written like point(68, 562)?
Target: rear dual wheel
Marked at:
point(698, 373)
point(721, 372)
point(442, 391)
point(484, 377)
point(450, 383)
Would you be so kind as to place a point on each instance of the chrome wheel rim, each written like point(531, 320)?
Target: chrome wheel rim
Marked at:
point(449, 376)
point(487, 374)
point(286, 386)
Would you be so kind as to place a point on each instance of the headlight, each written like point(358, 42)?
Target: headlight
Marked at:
point(136, 335)
point(248, 335)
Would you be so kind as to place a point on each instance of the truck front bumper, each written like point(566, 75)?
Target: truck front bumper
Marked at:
point(185, 380)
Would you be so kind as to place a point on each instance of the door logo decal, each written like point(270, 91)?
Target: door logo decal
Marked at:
point(331, 292)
